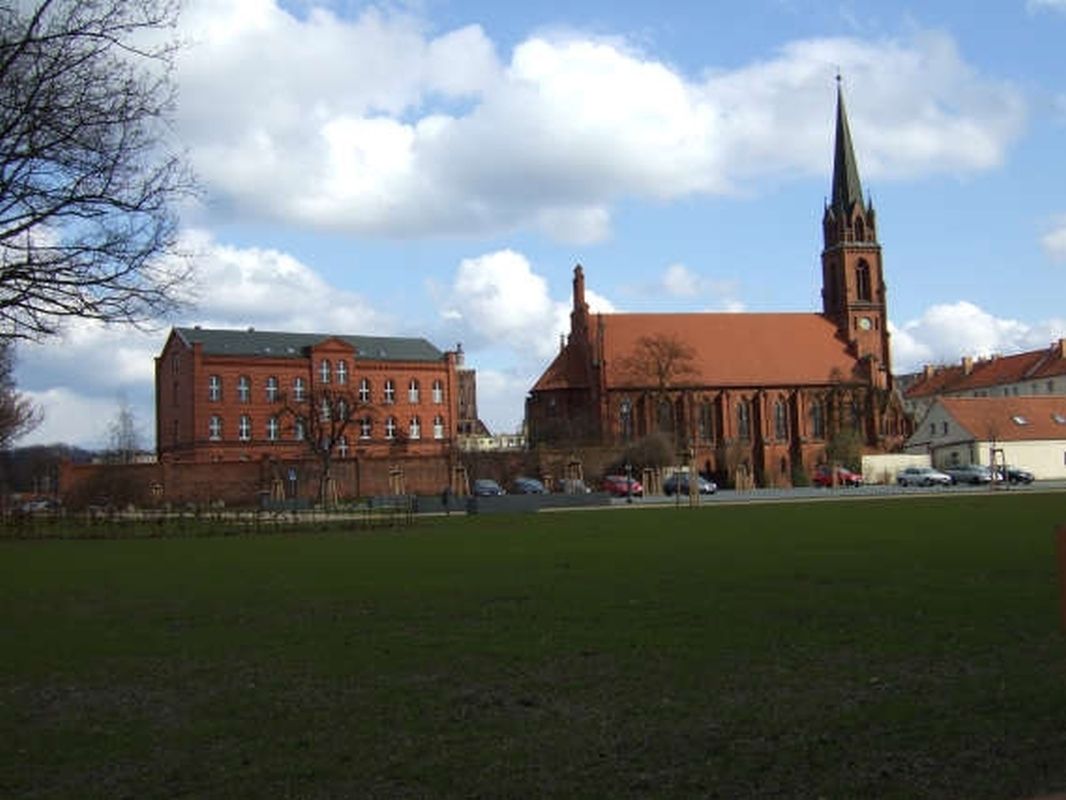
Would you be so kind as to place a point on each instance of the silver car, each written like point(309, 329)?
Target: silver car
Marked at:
point(922, 476)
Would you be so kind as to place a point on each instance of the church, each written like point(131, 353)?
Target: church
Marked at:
point(753, 398)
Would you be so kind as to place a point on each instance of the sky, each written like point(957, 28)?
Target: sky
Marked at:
point(437, 168)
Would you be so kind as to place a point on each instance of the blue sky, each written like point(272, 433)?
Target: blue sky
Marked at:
point(437, 168)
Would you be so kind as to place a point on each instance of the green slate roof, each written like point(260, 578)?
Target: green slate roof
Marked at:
point(847, 190)
point(275, 344)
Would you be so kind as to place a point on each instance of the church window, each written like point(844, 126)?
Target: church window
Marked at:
point(862, 280)
point(666, 416)
point(818, 420)
point(706, 421)
point(860, 230)
point(744, 419)
point(780, 421)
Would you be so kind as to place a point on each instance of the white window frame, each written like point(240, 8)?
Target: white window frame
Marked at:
point(214, 388)
point(244, 428)
point(438, 392)
point(272, 389)
point(272, 429)
point(214, 428)
point(298, 429)
point(342, 371)
point(366, 428)
point(390, 427)
point(299, 389)
point(342, 447)
point(390, 391)
point(325, 371)
point(415, 431)
point(413, 390)
point(438, 427)
point(244, 389)
point(364, 390)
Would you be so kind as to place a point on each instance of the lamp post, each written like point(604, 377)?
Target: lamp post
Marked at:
point(629, 482)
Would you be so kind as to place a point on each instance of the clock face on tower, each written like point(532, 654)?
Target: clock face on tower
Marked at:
point(864, 323)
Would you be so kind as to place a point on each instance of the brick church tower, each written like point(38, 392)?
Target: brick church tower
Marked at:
point(853, 285)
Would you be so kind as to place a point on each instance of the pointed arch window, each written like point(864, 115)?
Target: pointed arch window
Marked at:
point(780, 421)
point(625, 420)
point(817, 420)
point(744, 419)
point(706, 421)
point(862, 280)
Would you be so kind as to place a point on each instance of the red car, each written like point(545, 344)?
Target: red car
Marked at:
point(621, 486)
point(823, 476)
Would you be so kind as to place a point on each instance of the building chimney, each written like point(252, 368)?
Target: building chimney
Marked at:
point(927, 371)
point(967, 365)
point(1062, 348)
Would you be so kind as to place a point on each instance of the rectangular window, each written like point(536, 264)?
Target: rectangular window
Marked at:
point(272, 429)
point(364, 391)
point(214, 429)
point(214, 388)
point(412, 391)
point(364, 428)
point(244, 428)
point(342, 373)
point(438, 427)
point(438, 392)
point(390, 391)
point(298, 390)
point(272, 389)
point(415, 431)
point(244, 389)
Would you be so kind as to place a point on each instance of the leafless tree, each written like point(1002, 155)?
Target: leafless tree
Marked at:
point(321, 419)
point(124, 439)
point(88, 179)
point(18, 414)
point(657, 364)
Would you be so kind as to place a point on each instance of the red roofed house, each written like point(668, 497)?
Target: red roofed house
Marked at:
point(764, 392)
point(1032, 373)
point(1030, 432)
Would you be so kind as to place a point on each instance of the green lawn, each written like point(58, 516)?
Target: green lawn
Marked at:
point(906, 648)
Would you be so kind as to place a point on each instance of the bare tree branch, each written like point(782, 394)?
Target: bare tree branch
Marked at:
point(88, 183)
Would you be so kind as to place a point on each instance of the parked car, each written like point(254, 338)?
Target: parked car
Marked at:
point(823, 476)
point(922, 476)
point(486, 487)
point(523, 485)
point(621, 486)
point(573, 486)
point(1014, 475)
point(678, 484)
point(969, 473)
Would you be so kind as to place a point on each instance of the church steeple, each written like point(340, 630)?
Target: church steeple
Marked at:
point(853, 288)
point(847, 189)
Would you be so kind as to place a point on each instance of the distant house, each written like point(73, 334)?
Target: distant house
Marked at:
point(759, 395)
point(1030, 432)
point(1033, 373)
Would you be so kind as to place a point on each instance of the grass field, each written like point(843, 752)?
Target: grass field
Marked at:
point(908, 648)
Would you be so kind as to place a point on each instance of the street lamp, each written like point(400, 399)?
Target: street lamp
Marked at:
point(629, 482)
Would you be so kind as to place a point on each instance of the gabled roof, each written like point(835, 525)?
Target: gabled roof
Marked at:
point(275, 344)
point(567, 371)
point(985, 373)
point(1009, 418)
point(738, 350)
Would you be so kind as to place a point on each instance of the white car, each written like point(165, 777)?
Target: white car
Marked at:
point(922, 476)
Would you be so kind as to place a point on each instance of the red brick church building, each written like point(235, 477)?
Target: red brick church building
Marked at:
point(761, 393)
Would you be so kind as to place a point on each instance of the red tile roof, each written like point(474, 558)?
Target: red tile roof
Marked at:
point(735, 349)
point(984, 373)
point(567, 371)
point(1010, 418)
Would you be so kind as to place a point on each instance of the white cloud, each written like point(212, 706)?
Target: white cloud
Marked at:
point(1051, 5)
point(945, 333)
point(72, 417)
point(370, 125)
point(1054, 241)
point(682, 282)
point(497, 300)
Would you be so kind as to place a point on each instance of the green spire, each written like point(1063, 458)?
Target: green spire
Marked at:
point(847, 189)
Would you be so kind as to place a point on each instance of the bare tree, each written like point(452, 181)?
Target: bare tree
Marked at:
point(88, 184)
point(321, 419)
point(660, 361)
point(124, 441)
point(18, 414)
